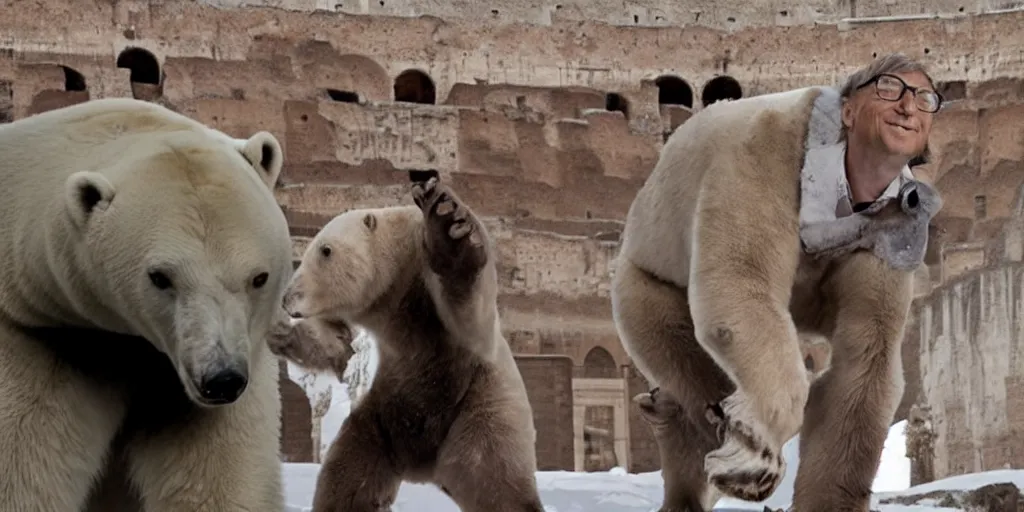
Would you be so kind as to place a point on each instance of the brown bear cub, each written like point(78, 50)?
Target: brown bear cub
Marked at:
point(447, 404)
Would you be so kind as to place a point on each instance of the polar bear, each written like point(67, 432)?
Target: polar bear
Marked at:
point(711, 289)
point(447, 404)
point(144, 257)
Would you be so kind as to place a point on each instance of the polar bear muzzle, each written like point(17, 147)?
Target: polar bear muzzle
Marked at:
point(212, 349)
point(215, 378)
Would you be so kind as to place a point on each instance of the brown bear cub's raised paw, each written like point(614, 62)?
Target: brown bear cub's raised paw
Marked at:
point(452, 238)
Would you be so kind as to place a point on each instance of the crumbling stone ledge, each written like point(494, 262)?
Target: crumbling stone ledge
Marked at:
point(1000, 497)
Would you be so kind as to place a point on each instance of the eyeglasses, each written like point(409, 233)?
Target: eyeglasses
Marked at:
point(891, 88)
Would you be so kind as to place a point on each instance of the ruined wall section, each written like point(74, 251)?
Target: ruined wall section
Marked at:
point(726, 14)
point(452, 51)
point(963, 354)
point(977, 164)
point(518, 118)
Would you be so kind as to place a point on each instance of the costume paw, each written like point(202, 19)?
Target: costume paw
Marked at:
point(746, 466)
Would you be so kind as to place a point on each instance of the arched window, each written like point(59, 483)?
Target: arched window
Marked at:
point(73, 80)
point(414, 86)
point(614, 101)
point(673, 90)
point(721, 88)
point(143, 65)
point(599, 364)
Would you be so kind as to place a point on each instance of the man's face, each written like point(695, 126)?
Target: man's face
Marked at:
point(895, 127)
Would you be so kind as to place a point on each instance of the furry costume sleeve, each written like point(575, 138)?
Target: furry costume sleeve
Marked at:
point(894, 227)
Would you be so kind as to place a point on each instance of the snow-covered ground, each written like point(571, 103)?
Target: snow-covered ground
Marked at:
point(611, 491)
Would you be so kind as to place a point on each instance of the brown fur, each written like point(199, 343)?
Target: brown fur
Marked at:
point(685, 488)
point(711, 290)
point(447, 404)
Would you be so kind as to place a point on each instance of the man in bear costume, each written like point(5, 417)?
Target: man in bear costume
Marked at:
point(144, 259)
point(712, 284)
point(447, 404)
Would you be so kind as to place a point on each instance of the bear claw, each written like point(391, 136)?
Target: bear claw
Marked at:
point(744, 466)
point(459, 230)
point(449, 222)
point(445, 206)
point(421, 191)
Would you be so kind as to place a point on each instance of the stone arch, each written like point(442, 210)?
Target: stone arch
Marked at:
point(65, 86)
point(143, 65)
point(322, 67)
point(599, 364)
point(673, 90)
point(415, 86)
point(722, 87)
point(146, 76)
point(614, 101)
point(73, 80)
point(599, 419)
point(296, 420)
point(368, 79)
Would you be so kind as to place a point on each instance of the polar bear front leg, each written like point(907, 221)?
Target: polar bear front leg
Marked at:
point(851, 406)
point(681, 445)
point(55, 428)
point(225, 459)
point(458, 252)
point(740, 287)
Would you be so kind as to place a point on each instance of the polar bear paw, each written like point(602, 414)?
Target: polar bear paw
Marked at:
point(453, 235)
point(746, 466)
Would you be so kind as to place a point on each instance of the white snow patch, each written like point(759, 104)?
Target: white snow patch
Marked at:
point(615, 490)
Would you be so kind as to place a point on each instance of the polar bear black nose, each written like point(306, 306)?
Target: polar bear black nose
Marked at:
point(224, 386)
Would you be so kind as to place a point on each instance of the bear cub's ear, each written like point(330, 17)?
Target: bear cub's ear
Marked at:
point(370, 221)
point(263, 151)
point(85, 192)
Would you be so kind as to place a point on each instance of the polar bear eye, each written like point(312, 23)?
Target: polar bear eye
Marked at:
point(160, 280)
point(260, 280)
point(326, 251)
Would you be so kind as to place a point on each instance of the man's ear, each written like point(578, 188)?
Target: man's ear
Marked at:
point(848, 111)
point(86, 192)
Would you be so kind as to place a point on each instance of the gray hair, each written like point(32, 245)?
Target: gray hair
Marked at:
point(889, 63)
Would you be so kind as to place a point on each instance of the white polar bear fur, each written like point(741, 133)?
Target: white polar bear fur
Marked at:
point(168, 193)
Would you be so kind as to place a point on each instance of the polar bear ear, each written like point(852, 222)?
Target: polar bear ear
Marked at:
point(85, 192)
point(264, 153)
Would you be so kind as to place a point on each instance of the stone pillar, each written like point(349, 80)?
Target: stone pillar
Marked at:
point(920, 444)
